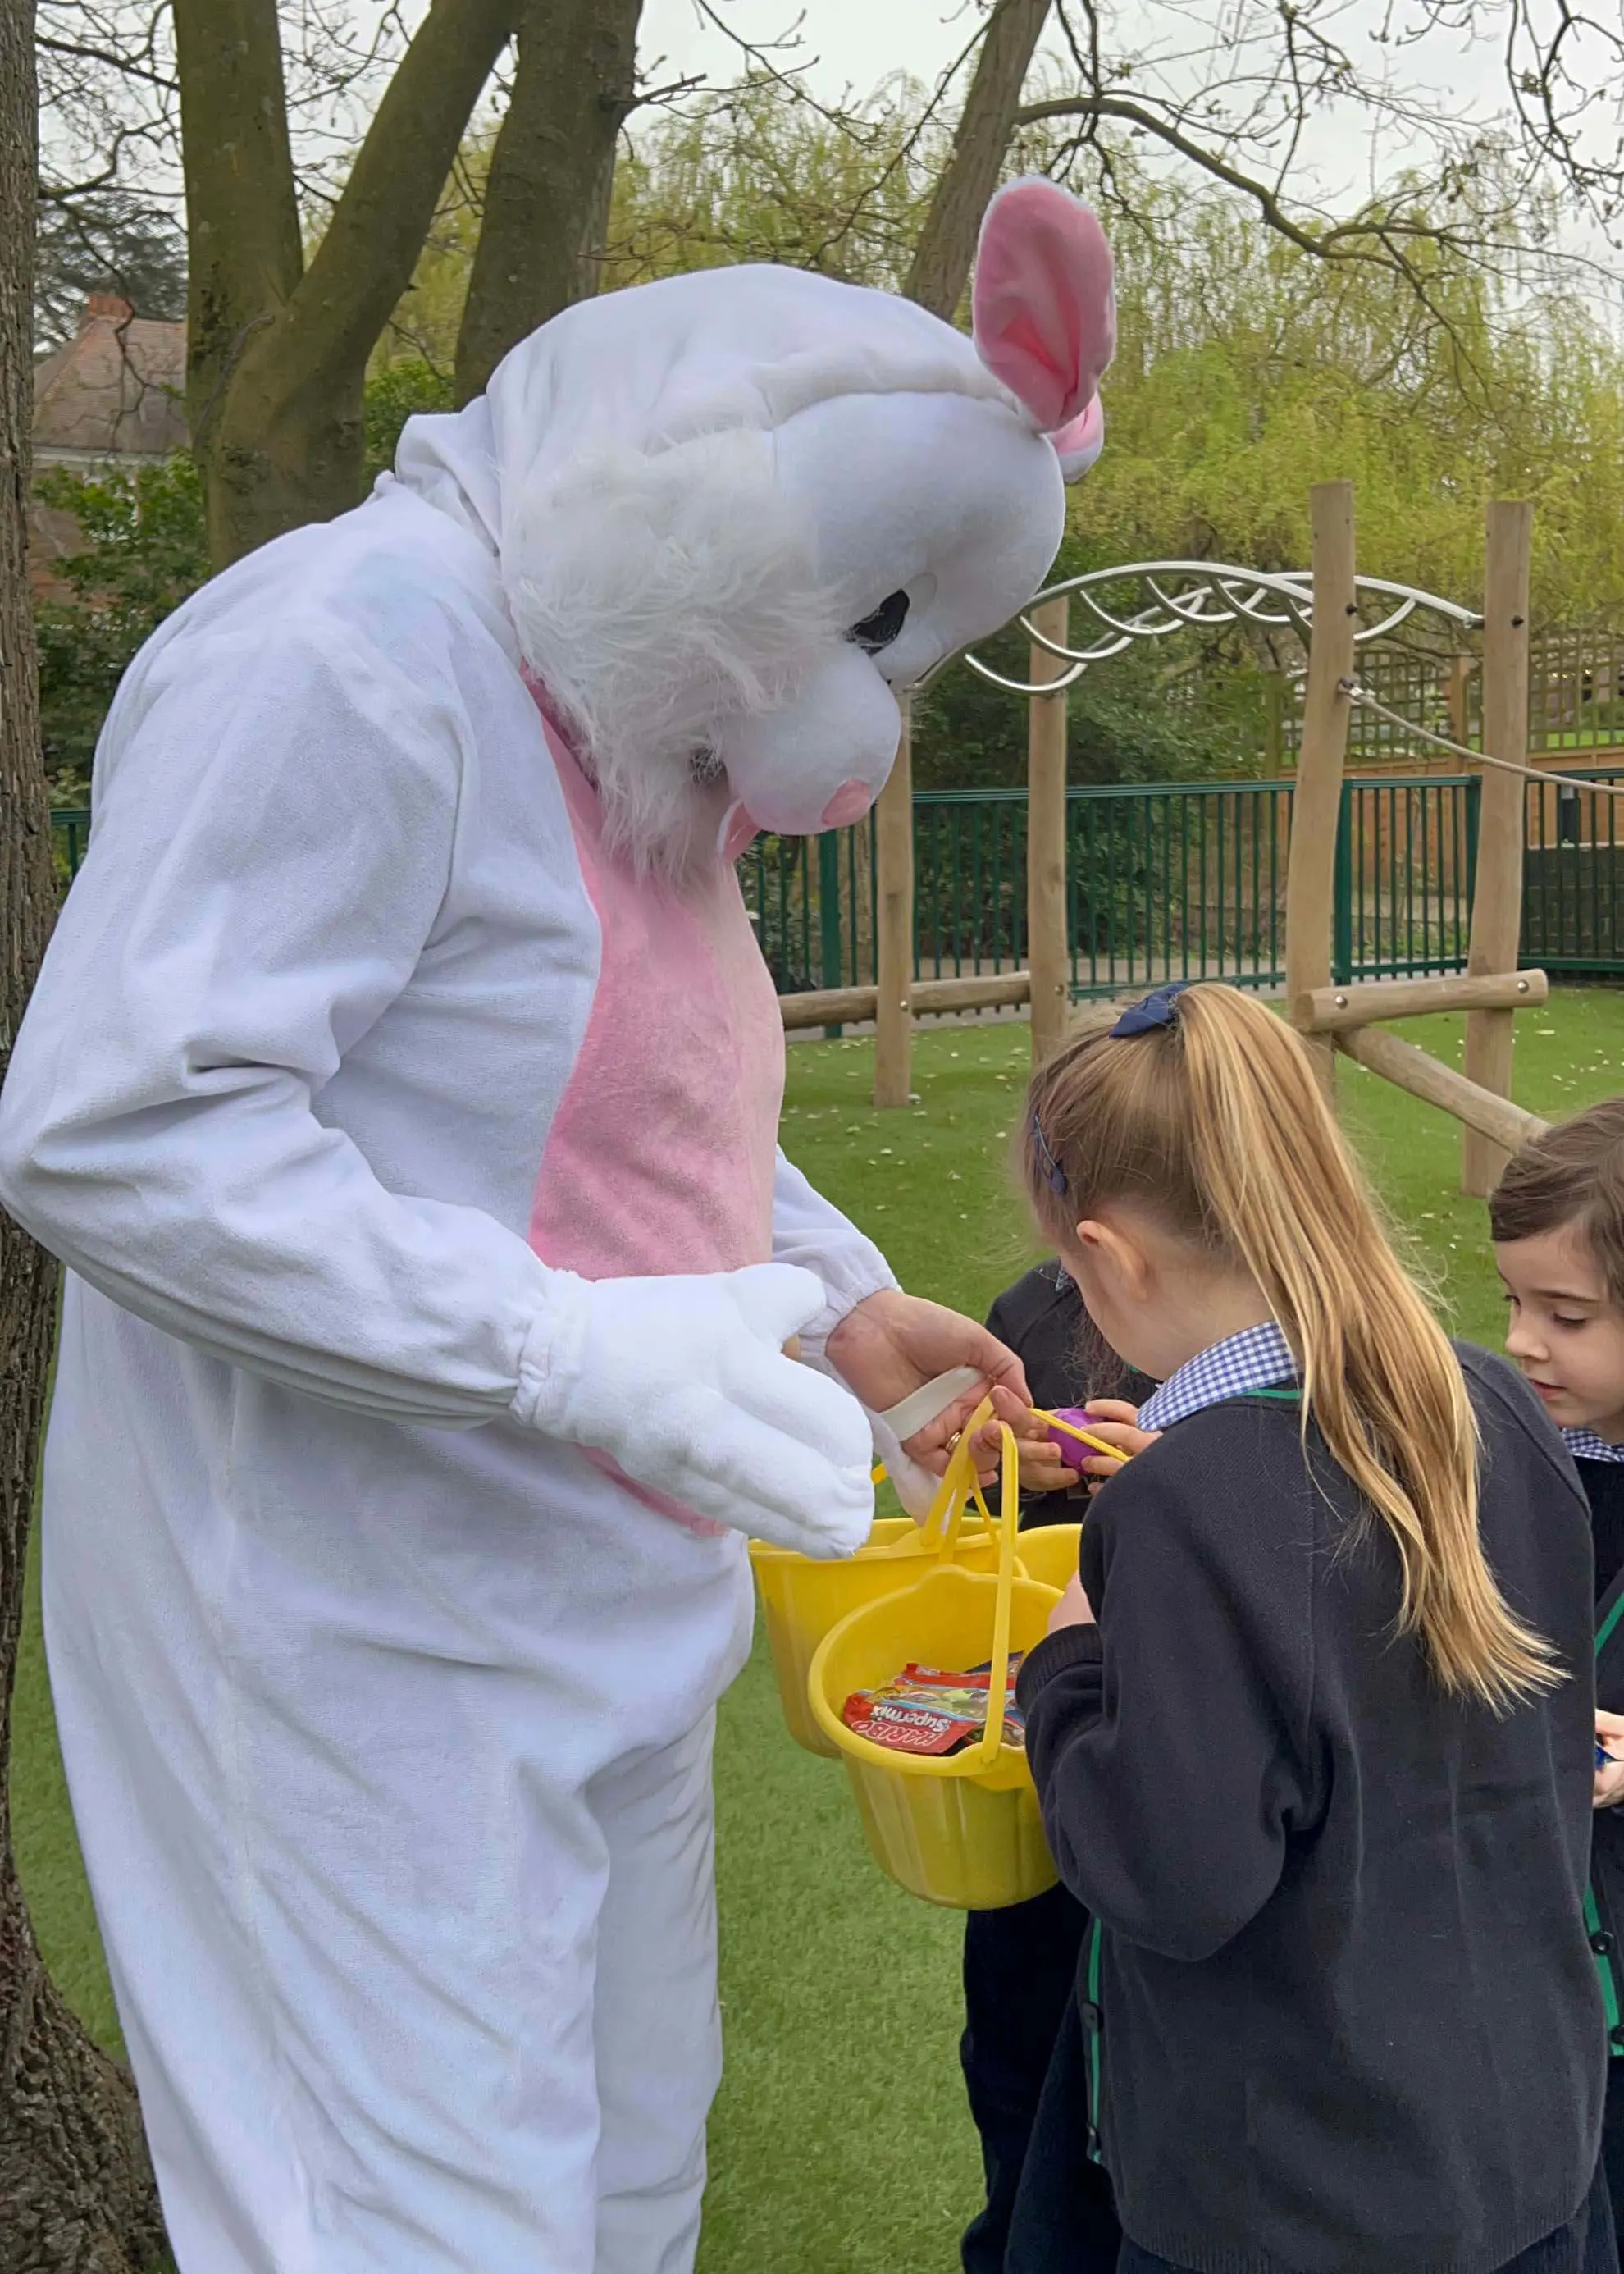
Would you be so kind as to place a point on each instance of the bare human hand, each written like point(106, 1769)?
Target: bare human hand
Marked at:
point(1043, 1467)
point(893, 1343)
point(1115, 1420)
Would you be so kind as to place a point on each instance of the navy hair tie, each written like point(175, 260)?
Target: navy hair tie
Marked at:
point(1159, 1009)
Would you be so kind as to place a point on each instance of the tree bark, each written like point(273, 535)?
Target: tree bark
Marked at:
point(276, 352)
point(548, 197)
point(76, 2188)
point(940, 267)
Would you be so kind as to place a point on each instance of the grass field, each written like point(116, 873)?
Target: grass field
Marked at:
point(839, 2143)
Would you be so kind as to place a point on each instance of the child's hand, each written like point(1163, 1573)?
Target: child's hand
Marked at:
point(1074, 1609)
point(1609, 1781)
point(1043, 1463)
point(1116, 1421)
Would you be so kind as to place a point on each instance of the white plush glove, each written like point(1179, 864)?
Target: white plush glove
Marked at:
point(683, 1382)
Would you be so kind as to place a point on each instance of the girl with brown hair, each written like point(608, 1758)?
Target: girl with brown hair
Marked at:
point(1557, 1219)
point(1312, 1728)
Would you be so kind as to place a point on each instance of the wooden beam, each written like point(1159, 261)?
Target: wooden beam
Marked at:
point(1493, 1117)
point(987, 990)
point(1048, 943)
point(1496, 899)
point(1326, 1010)
point(893, 947)
point(829, 1006)
point(1317, 799)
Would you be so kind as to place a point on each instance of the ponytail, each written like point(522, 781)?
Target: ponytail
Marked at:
point(1216, 1125)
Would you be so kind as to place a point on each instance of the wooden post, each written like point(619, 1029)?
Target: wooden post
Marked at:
point(893, 951)
point(1312, 865)
point(1457, 694)
point(1497, 901)
point(1048, 944)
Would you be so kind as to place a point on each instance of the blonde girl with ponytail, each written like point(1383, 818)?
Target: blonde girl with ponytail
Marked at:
point(1312, 1729)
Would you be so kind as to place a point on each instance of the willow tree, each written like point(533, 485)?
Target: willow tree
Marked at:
point(280, 341)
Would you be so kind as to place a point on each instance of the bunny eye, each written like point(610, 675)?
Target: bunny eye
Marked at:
point(881, 628)
point(705, 766)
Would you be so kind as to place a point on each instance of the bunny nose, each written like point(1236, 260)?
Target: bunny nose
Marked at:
point(849, 803)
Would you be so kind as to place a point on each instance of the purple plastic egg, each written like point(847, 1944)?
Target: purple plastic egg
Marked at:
point(1079, 1416)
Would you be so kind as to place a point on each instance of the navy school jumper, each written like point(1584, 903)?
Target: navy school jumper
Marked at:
point(1020, 1964)
point(1603, 1486)
point(1342, 2010)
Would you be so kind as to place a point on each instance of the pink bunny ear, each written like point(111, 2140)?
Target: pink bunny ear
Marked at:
point(1045, 320)
point(1079, 443)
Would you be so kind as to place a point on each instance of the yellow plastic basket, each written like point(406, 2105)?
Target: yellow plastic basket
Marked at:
point(964, 1832)
point(1048, 1553)
point(801, 1597)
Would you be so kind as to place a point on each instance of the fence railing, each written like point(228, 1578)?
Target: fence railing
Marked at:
point(1165, 880)
point(1180, 880)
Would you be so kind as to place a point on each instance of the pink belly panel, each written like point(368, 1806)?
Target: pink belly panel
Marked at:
point(662, 1154)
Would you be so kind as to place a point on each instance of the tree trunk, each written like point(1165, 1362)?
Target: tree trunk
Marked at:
point(76, 2188)
point(941, 264)
point(277, 351)
point(547, 198)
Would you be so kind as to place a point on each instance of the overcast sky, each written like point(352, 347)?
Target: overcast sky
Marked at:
point(859, 42)
point(849, 46)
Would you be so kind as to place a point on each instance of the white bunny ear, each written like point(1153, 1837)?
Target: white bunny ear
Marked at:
point(1045, 317)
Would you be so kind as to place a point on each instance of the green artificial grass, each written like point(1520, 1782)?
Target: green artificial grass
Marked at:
point(840, 2141)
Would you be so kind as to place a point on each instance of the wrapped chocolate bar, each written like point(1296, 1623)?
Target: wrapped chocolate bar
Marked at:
point(929, 1709)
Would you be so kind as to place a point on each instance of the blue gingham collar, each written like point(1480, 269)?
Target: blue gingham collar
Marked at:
point(1585, 1445)
point(1258, 1358)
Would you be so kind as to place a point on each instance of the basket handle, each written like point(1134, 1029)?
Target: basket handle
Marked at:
point(998, 1672)
point(958, 1487)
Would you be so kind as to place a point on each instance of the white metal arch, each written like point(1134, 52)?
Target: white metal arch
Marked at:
point(1184, 593)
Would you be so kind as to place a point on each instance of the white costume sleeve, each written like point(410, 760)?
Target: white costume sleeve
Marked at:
point(270, 853)
point(810, 1231)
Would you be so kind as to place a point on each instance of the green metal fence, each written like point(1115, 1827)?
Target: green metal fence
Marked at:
point(1573, 885)
point(1180, 880)
point(1168, 880)
point(1406, 862)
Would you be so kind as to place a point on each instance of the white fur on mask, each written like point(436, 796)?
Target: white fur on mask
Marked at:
point(657, 596)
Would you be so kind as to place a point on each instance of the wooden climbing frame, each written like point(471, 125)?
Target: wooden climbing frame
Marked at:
point(1491, 990)
point(1354, 1019)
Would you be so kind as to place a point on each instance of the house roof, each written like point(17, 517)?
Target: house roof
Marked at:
point(115, 390)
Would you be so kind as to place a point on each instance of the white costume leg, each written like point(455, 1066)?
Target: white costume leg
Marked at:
point(656, 2021)
point(362, 2055)
point(354, 1793)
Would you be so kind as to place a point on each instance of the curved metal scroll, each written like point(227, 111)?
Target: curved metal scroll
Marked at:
point(1184, 593)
